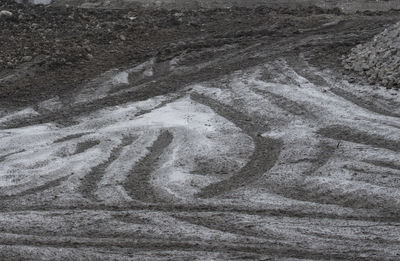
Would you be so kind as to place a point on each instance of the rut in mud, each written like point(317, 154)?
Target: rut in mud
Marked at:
point(237, 145)
point(138, 183)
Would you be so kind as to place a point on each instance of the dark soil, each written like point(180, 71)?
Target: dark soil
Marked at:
point(53, 50)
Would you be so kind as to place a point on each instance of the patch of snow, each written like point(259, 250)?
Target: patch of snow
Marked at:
point(120, 78)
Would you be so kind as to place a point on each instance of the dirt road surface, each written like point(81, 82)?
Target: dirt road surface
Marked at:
point(223, 134)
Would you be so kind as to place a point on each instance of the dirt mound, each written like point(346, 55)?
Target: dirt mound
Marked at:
point(49, 50)
point(379, 59)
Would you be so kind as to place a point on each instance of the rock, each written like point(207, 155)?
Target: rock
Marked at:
point(122, 37)
point(27, 58)
point(5, 13)
point(365, 66)
point(178, 14)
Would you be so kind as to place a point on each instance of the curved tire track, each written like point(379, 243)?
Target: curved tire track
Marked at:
point(264, 157)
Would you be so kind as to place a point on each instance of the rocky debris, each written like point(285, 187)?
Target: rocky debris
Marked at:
point(379, 59)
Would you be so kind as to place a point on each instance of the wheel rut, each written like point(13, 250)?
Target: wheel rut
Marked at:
point(37, 189)
point(90, 181)
point(286, 104)
point(277, 250)
point(137, 183)
point(384, 164)
point(264, 157)
point(345, 133)
point(324, 153)
point(364, 103)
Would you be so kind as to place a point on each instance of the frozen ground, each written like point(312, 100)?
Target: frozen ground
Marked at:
point(218, 153)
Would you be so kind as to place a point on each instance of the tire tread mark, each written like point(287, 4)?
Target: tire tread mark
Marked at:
point(90, 181)
point(264, 157)
point(137, 183)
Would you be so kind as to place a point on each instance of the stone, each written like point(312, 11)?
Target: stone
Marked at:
point(27, 58)
point(5, 13)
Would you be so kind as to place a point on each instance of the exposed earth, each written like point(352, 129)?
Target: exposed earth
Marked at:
point(211, 134)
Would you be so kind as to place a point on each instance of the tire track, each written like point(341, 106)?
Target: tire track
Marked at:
point(384, 164)
point(137, 183)
point(363, 103)
point(4, 157)
point(324, 153)
point(171, 208)
point(264, 157)
point(71, 137)
point(85, 145)
point(34, 190)
point(225, 227)
point(90, 181)
point(339, 132)
point(287, 104)
point(276, 250)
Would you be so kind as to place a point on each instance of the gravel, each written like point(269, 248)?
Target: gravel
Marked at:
point(379, 59)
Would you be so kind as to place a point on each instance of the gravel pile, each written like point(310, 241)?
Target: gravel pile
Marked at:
point(379, 59)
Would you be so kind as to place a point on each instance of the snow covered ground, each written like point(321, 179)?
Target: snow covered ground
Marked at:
point(274, 160)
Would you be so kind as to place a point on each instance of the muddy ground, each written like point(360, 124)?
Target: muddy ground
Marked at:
point(215, 134)
point(347, 6)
